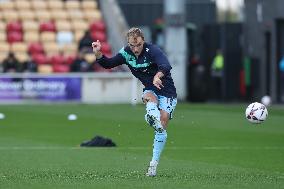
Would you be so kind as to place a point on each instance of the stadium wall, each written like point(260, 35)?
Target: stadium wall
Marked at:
point(263, 35)
point(81, 88)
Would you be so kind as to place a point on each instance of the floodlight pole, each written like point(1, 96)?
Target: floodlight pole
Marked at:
point(176, 42)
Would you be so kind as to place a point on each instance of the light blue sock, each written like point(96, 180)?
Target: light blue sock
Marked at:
point(152, 109)
point(159, 143)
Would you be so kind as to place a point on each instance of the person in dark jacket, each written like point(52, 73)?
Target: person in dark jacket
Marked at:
point(85, 42)
point(80, 64)
point(11, 63)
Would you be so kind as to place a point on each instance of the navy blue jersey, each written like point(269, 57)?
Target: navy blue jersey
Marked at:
point(149, 62)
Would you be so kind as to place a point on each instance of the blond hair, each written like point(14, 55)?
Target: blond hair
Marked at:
point(135, 33)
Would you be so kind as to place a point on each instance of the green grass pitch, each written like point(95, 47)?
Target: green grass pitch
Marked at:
point(208, 146)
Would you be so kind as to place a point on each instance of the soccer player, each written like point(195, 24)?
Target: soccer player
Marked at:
point(150, 65)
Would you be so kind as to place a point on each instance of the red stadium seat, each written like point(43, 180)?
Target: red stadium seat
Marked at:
point(99, 36)
point(70, 59)
point(14, 26)
point(35, 48)
point(47, 26)
point(98, 26)
point(14, 37)
point(106, 48)
point(57, 59)
point(39, 59)
point(61, 68)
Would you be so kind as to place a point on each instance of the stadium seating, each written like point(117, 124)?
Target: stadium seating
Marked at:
point(47, 36)
point(30, 25)
point(4, 47)
point(7, 5)
point(26, 15)
point(45, 68)
point(71, 5)
point(3, 36)
point(2, 26)
point(10, 15)
point(75, 15)
point(13, 37)
point(55, 4)
point(61, 68)
point(58, 14)
point(43, 30)
point(69, 59)
point(63, 25)
point(69, 49)
point(39, 59)
point(2, 56)
point(19, 47)
point(98, 35)
point(38, 5)
point(22, 56)
point(35, 48)
point(31, 36)
point(51, 48)
point(42, 15)
point(14, 26)
point(98, 25)
point(78, 35)
point(106, 48)
point(57, 59)
point(89, 5)
point(64, 38)
point(22, 5)
point(47, 26)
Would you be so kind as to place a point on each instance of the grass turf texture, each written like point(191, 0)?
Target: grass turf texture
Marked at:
point(209, 146)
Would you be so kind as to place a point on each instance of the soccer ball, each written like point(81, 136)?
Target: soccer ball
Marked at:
point(266, 100)
point(256, 113)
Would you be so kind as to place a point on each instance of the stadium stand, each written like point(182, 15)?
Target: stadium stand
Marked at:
point(42, 15)
point(49, 32)
point(38, 5)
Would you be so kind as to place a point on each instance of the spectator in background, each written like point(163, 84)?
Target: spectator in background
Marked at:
point(80, 64)
point(11, 63)
point(197, 83)
point(158, 36)
point(217, 72)
point(29, 66)
point(85, 43)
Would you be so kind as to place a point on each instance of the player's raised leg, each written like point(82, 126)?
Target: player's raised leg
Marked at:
point(152, 115)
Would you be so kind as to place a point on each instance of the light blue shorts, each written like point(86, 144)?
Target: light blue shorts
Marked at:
point(164, 103)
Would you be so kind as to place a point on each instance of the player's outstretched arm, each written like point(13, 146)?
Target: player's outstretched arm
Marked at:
point(105, 61)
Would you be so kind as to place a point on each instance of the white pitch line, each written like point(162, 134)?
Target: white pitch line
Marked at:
point(142, 148)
